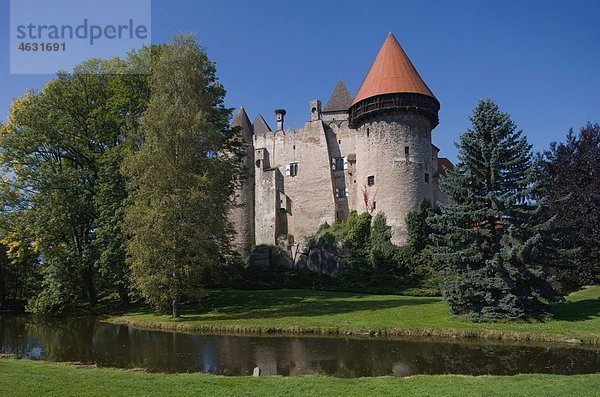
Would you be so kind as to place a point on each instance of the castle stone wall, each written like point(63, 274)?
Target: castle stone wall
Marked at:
point(341, 141)
point(265, 201)
point(399, 178)
point(304, 201)
point(242, 216)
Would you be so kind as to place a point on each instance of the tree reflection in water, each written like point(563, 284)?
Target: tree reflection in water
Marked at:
point(87, 340)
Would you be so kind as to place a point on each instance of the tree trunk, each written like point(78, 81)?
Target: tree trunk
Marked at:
point(2, 287)
point(15, 290)
point(124, 297)
point(90, 289)
point(175, 308)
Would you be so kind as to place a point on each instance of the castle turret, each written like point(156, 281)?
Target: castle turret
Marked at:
point(338, 103)
point(242, 216)
point(394, 112)
point(260, 126)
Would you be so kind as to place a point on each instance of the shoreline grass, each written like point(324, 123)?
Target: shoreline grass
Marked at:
point(35, 378)
point(353, 314)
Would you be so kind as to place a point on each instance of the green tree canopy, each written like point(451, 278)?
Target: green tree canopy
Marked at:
point(181, 178)
point(62, 191)
point(570, 173)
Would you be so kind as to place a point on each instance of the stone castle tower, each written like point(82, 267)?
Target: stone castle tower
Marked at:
point(243, 215)
point(370, 153)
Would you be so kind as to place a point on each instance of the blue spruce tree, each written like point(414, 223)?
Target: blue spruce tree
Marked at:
point(490, 243)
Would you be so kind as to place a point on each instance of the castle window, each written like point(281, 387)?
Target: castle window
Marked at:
point(371, 180)
point(374, 205)
point(291, 169)
point(368, 132)
point(339, 141)
point(426, 178)
point(339, 163)
point(406, 150)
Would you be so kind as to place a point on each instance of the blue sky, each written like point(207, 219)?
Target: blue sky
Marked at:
point(539, 60)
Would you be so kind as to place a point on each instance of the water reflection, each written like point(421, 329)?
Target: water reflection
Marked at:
point(90, 341)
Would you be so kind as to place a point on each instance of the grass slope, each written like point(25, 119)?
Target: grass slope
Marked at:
point(30, 378)
point(302, 311)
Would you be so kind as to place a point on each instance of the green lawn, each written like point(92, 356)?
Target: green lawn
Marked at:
point(352, 313)
point(30, 378)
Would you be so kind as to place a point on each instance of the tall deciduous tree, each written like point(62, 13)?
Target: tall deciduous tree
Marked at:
point(571, 186)
point(489, 241)
point(181, 178)
point(60, 151)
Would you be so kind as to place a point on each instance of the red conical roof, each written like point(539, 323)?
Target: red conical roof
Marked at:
point(392, 72)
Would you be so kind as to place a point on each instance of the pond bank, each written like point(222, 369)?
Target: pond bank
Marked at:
point(577, 320)
point(34, 378)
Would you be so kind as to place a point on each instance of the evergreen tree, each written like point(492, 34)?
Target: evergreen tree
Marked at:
point(181, 178)
point(417, 228)
point(382, 251)
point(489, 242)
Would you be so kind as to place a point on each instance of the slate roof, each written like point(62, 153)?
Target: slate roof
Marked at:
point(392, 72)
point(260, 126)
point(241, 120)
point(340, 100)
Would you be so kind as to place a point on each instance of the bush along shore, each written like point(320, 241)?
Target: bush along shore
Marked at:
point(576, 320)
point(66, 380)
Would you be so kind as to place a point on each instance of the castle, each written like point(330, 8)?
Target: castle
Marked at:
point(371, 152)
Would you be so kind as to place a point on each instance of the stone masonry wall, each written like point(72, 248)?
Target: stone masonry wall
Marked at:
point(265, 199)
point(399, 179)
point(341, 141)
point(303, 201)
point(298, 204)
point(242, 216)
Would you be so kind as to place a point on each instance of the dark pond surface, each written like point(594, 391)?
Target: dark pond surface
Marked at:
point(90, 341)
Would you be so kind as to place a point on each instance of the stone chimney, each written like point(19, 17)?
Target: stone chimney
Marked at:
point(315, 110)
point(280, 114)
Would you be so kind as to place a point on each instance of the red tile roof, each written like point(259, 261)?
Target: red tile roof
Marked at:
point(444, 165)
point(392, 72)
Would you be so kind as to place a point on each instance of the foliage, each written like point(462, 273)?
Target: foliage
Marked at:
point(354, 232)
point(374, 264)
point(416, 252)
point(278, 276)
point(357, 234)
point(181, 178)
point(58, 153)
point(19, 274)
point(490, 241)
point(381, 253)
point(570, 174)
point(417, 227)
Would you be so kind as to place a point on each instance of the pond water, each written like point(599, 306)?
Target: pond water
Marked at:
point(90, 341)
